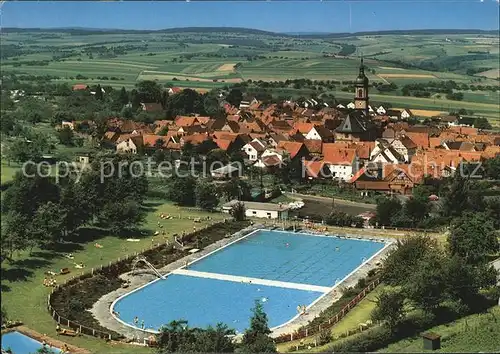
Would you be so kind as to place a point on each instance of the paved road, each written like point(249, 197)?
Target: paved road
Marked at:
point(329, 199)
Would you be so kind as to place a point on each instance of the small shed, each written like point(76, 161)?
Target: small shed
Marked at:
point(432, 341)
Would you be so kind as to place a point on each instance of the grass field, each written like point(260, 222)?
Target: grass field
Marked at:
point(24, 296)
point(360, 314)
point(8, 172)
point(475, 333)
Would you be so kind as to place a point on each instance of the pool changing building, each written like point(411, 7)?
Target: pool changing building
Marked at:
point(261, 210)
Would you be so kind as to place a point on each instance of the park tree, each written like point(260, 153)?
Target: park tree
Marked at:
point(99, 95)
point(27, 194)
point(206, 196)
point(236, 189)
point(123, 97)
point(182, 190)
point(455, 200)
point(390, 308)
point(492, 167)
point(256, 338)
point(473, 237)
point(387, 210)
point(234, 97)
point(217, 158)
point(120, 216)
point(149, 91)
point(15, 233)
point(402, 261)
point(415, 210)
point(175, 337)
point(74, 207)
point(47, 224)
point(338, 218)
point(216, 339)
point(465, 280)
point(185, 102)
point(65, 136)
point(426, 283)
point(238, 211)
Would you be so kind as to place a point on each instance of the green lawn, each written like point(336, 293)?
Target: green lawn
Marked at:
point(8, 172)
point(24, 296)
point(475, 333)
point(360, 314)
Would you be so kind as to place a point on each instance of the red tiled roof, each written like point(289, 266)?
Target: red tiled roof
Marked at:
point(313, 146)
point(176, 89)
point(313, 168)
point(303, 128)
point(79, 87)
point(335, 156)
point(223, 144)
point(291, 147)
point(185, 121)
point(420, 139)
point(150, 140)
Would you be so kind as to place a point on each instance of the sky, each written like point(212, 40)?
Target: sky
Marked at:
point(277, 16)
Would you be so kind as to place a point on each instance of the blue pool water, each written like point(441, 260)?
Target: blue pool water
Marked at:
point(205, 302)
point(307, 259)
point(22, 344)
point(270, 255)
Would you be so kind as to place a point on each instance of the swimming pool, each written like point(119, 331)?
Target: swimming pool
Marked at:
point(280, 269)
point(22, 344)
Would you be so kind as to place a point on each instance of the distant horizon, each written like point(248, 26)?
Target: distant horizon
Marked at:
point(249, 28)
point(312, 16)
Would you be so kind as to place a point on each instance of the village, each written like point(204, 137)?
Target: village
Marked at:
point(373, 149)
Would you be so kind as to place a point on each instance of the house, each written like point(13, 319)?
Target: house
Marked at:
point(228, 171)
point(384, 153)
point(152, 107)
point(294, 149)
point(174, 90)
point(314, 147)
point(260, 210)
point(132, 145)
point(316, 169)
point(343, 163)
point(80, 87)
point(404, 147)
point(355, 127)
point(393, 114)
point(406, 114)
point(254, 149)
point(154, 142)
point(381, 111)
point(448, 120)
point(318, 132)
point(393, 179)
point(65, 124)
point(351, 105)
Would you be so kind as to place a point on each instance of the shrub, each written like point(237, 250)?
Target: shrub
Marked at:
point(366, 341)
point(325, 336)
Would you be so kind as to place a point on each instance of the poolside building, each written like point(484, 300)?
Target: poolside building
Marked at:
point(261, 210)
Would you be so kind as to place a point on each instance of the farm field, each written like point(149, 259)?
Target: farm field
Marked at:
point(207, 59)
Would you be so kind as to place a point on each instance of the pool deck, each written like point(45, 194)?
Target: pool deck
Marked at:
point(44, 338)
point(101, 309)
point(239, 279)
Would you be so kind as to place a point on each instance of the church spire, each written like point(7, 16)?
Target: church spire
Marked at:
point(361, 67)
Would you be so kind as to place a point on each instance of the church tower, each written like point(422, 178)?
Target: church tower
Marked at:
point(361, 84)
